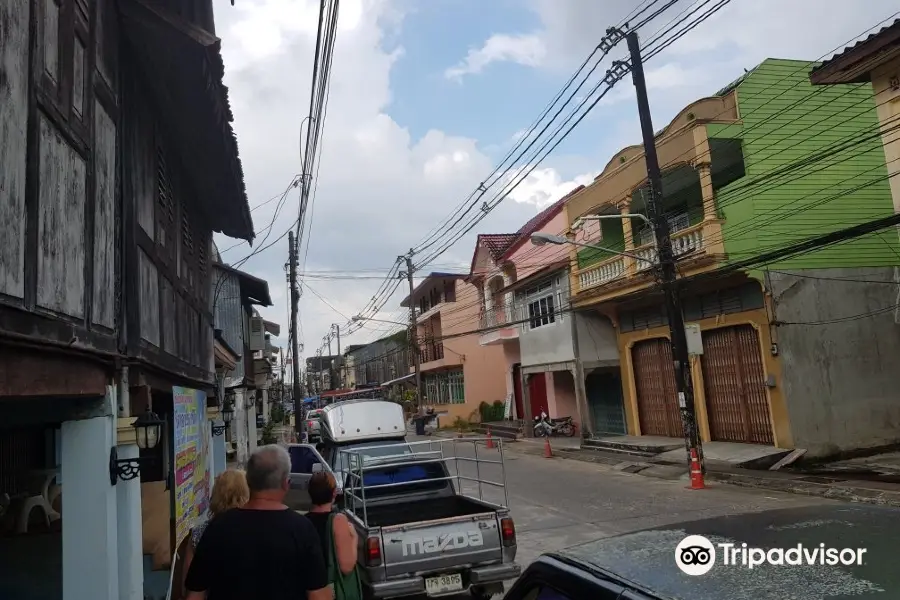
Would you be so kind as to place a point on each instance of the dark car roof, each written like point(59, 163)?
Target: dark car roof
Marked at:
point(646, 559)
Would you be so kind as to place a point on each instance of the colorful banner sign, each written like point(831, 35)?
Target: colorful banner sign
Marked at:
point(192, 452)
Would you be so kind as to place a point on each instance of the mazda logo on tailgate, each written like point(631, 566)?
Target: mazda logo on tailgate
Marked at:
point(430, 544)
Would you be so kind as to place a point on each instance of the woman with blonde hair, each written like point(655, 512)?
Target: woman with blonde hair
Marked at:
point(229, 491)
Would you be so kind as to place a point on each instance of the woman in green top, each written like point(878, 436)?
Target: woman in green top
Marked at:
point(339, 538)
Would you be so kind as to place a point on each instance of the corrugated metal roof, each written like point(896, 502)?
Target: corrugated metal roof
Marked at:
point(883, 31)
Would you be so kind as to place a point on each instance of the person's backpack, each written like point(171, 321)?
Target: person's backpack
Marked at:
point(346, 587)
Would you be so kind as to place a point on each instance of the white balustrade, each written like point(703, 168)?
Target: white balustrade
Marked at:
point(683, 242)
point(601, 273)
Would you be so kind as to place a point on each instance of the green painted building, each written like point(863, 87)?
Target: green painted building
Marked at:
point(796, 353)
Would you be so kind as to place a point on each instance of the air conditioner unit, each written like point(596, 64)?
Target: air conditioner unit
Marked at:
point(257, 339)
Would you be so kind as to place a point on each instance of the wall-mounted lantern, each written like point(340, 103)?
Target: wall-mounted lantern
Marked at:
point(147, 430)
point(227, 415)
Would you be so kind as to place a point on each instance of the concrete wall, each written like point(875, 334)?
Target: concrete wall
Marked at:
point(839, 378)
point(597, 342)
point(887, 103)
point(484, 367)
point(529, 258)
point(561, 395)
point(550, 343)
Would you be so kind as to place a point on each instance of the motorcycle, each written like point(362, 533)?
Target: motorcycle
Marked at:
point(544, 426)
point(565, 426)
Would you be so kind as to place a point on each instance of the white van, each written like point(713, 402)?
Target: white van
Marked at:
point(371, 427)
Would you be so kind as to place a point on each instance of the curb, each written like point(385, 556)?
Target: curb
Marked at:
point(835, 491)
point(844, 491)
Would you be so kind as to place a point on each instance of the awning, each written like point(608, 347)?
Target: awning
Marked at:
point(404, 379)
point(252, 288)
point(183, 68)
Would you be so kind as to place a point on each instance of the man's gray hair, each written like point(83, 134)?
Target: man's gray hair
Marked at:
point(267, 468)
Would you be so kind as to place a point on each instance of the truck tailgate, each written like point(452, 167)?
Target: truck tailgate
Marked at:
point(442, 544)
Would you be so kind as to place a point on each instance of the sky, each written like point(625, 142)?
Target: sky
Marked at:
point(427, 96)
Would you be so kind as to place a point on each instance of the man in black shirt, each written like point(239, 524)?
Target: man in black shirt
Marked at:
point(263, 551)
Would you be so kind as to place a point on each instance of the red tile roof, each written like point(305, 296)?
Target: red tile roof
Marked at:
point(497, 243)
point(501, 245)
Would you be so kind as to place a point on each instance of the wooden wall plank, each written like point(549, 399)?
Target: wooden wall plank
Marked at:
point(14, 42)
point(149, 299)
point(60, 259)
point(104, 305)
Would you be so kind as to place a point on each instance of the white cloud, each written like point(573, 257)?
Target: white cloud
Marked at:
point(544, 186)
point(525, 50)
point(379, 189)
point(740, 34)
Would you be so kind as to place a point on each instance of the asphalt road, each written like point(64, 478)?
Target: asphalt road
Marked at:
point(558, 503)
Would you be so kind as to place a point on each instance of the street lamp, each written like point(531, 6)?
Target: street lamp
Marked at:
point(147, 429)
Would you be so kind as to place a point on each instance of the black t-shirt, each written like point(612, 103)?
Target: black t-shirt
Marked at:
point(320, 522)
point(247, 554)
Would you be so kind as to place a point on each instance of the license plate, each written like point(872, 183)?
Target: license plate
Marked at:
point(443, 584)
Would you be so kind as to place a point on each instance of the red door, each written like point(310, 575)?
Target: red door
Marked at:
point(517, 391)
point(537, 390)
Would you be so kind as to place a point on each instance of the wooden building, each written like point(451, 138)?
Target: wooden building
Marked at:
point(117, 163)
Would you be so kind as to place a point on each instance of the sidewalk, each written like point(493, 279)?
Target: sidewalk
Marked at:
point(833, 487)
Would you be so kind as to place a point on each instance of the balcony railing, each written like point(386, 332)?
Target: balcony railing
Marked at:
point(433, 351)
point(602, 272)
point(496, 317)
point(686, 241)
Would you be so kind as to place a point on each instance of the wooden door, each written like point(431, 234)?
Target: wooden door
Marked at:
point(654, 379)
point(537, 393)
point(735, 385)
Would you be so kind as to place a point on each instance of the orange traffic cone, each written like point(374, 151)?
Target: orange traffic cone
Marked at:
point(548, 451)
point(696, 472)
point(490, 441)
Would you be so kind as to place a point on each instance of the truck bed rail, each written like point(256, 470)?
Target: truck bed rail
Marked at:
point(409, 453)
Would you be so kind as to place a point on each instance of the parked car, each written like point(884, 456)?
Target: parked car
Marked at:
point(642, 565)
point(313, 425)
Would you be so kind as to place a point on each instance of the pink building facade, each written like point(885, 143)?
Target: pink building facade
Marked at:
point(458, 373)
point(524, 293)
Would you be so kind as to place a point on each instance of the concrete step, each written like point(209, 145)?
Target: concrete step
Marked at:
point(619, 448)
point(507, 433)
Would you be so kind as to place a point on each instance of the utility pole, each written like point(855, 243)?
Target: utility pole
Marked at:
point(340, 357)
point(282, 395)
point(668, 271)
point(413, 337)
point(299, 423)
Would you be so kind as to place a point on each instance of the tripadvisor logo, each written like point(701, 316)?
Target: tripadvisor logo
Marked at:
point(696, 555)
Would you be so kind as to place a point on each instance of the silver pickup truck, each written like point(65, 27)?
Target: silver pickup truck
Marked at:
point(419, 534)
